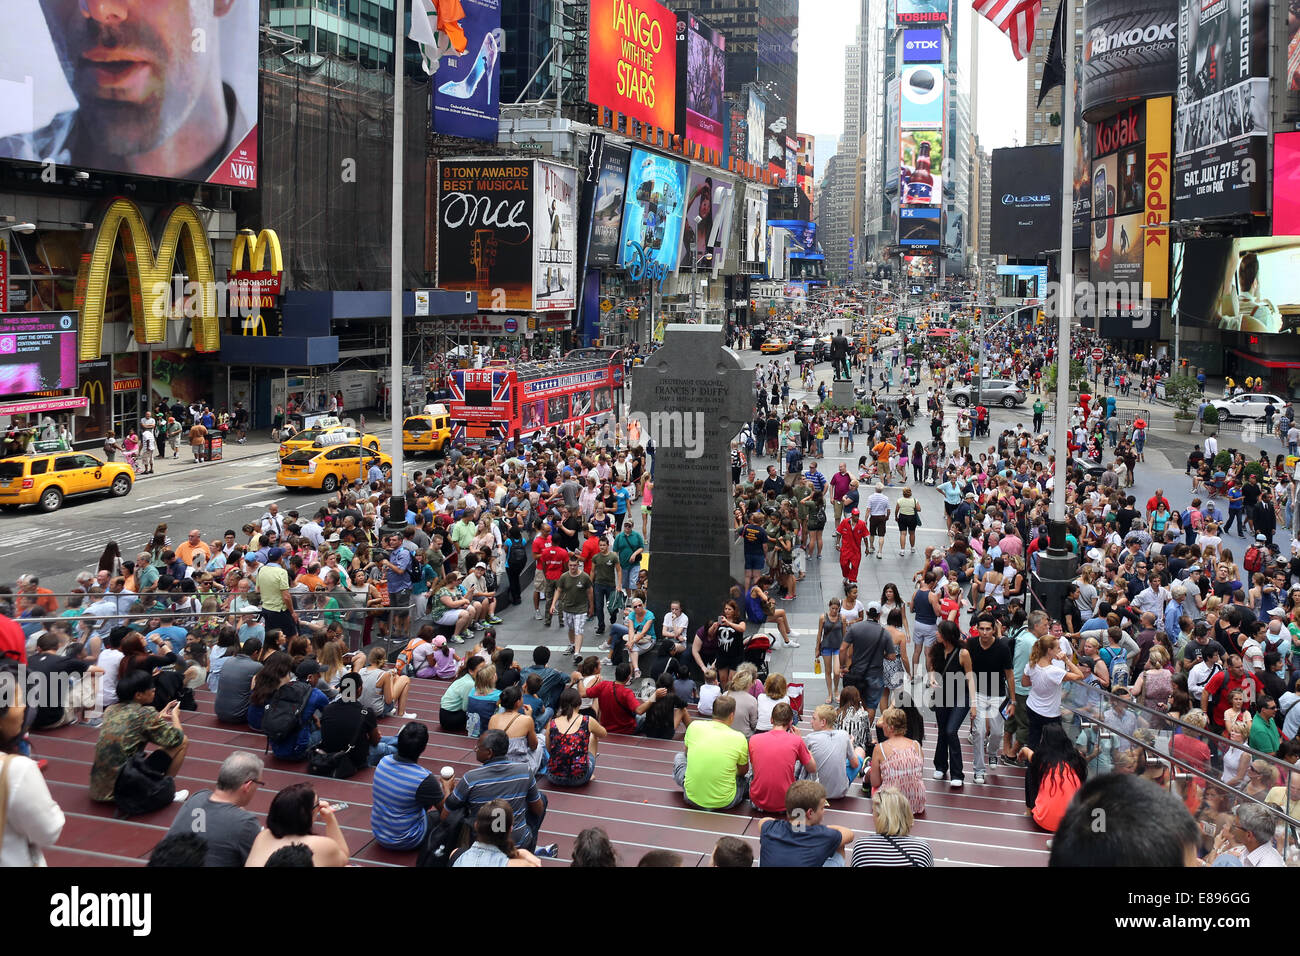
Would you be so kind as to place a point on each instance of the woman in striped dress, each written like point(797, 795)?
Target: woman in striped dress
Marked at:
point(898, 761)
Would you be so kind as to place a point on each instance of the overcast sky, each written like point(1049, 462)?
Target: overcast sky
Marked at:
point(827, 26)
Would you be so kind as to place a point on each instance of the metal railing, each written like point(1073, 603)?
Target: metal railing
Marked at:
point(1112, 728)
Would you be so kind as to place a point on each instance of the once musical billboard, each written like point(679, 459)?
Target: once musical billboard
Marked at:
point(163, 90)
point(632, 60)
point(486, 231)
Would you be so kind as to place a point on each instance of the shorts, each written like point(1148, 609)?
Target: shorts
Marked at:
point(755, 562)
point(575, 622)
point(869, 688)
point(1020, 719)
point(924, 634)
point(399, 600)
point(449, 617)
point(907, 522)
point(876, 525)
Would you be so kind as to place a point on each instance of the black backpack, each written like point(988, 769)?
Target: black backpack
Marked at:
point(141, 789)
point(339, 765)
point(283, 718)
point(518, 553)
point(442, 839)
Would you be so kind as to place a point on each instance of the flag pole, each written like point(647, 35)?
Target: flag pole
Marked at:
point(1065, 300)
point(396, 387)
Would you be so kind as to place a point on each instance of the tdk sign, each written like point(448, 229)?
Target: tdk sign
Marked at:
point(922, 46)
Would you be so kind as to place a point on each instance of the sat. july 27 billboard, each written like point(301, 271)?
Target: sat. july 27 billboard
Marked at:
point(165, 90)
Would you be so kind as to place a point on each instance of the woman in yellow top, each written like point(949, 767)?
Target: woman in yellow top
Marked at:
point(906, 512)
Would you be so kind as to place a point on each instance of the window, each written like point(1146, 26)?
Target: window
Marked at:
point(66, 463)
point(39, 467)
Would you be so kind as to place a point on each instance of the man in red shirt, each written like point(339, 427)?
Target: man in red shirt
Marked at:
point(772, 756)
point(590, 548)
point(851, 530)
point(540, 543)
point(1226, 681)
point(620, 711)
point(1155, 501)
point(553, 563)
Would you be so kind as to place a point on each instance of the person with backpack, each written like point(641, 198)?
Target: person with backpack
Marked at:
point(128, 726)
point(1115, 657)
point(292, 716)
point(516, 562)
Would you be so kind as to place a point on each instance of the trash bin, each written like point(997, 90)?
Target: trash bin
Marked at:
point(214, 448)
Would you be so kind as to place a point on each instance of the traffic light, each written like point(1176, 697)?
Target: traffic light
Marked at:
point(635, 314)
point(1042, 317)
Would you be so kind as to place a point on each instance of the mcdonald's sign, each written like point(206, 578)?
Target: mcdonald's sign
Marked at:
point(146, 272)
point(255, 247)
point(93, 390)
point(253, 325)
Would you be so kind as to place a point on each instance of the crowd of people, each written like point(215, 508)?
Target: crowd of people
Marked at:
point(1162, 655)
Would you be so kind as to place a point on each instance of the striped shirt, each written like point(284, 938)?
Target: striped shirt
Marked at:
point(817, 478)
point(499, 779)
point(876, 850)
point(397, 815)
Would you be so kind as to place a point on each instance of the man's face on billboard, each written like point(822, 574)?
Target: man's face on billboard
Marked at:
point(137, 67)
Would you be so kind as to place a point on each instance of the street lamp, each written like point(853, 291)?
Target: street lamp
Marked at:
point(26, 228)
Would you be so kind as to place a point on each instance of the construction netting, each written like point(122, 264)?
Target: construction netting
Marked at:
point(326, 145)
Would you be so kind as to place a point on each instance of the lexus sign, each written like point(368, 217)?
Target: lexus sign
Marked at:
point(1130, 52)
point(1026, 209)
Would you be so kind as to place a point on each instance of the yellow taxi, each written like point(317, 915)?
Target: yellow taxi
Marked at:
point(322, 436)
point(327, 468)
point(46, 479)
point(775, 346)
point(427, 432)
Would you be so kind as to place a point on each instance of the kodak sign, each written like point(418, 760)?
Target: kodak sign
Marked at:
point(1159, 195)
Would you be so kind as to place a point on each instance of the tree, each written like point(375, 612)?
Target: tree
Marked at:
point(1183, 391)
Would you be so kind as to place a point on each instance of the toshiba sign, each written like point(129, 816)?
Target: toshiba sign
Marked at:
point(1130, 52)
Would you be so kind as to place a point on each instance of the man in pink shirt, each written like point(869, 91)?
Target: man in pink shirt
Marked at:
point(840, 482)
point(772, 756)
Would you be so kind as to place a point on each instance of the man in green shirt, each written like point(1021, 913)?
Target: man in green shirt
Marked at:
point(277, 603)
point(711, 768)
point(604, 578)
point(574, 599)
point(630, 546)
point(1039, 408)
point(462, 535)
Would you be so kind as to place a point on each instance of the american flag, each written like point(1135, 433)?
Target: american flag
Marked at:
point(1015, 18)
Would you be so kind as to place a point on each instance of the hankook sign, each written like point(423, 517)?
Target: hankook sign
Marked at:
point(1129, 53)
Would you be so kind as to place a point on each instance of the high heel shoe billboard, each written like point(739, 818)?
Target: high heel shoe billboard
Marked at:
point(466, 88)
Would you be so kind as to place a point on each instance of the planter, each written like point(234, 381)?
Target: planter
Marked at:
point(1209, 428)
point(1184, 425)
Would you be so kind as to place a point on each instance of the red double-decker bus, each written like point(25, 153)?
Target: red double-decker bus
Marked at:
point(492, 404)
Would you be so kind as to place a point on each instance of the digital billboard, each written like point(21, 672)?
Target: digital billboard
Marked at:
point(755, 223)
point(1286, 184)
point(486, 231)
point(802, 240)
point(653, 213)
point(922, 88)
point(701, 80)
point(920, 155)
point(1082, 166)
point(892, 149)
point(632, 60)
point(1026, 201)
point(1239, 285)
point(709, 205)
point(756, 122)
point(919, 226)
point(555, 237)
point(1118, 197)
point(1031, 281)
point(1222, 124)
point(1129, 52)
point(607, 217)
point(923, 46)
point(467, 87)
point(158, 92)
point(920, 12)
point(38, 352)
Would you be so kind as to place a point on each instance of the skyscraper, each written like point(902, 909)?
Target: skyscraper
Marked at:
point(1038, 119)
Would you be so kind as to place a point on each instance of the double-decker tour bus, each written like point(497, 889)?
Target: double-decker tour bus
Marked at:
point(496, 403)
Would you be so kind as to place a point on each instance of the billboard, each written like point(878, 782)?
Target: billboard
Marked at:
point(920, 154)
point(923, 46)
point(1118, 197)
point(802, 239)
point(701, 80)
point(653, 214)
point(1239, 285)
point(607, 219)
point(922, 88)
point(709, 204)
point(467, 88)
point(1031, 281)
point(1026, 203)
point(926, 12)
point(1129, 52)
point(918, 226)
point(1082, 166)
point(756, 123)
point(755, 223)
point(170, 95)
point(1286, 184)
point(486, 231)
point(38, 352)
point(1222, 124)
point(555, 237)
point(891, 130)
point(632, 60)
point(1159, 193)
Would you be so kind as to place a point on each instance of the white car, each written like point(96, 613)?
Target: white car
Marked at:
point(1249, 405)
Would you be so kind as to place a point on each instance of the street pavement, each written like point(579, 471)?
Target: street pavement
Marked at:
point(220, 495)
